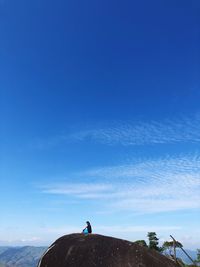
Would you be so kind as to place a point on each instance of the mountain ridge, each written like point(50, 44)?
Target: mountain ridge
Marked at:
point(26, 256)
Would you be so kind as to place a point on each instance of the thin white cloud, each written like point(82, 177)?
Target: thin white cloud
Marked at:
point(161, 185)
point(113, 229)
point(135, 229)
point(154, 132)
point(31, 241)
point(67, 229)
point(168, 131)
point(75, 189)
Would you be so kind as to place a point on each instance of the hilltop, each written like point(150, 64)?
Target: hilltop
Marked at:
point(77, 250)
point(27, 256)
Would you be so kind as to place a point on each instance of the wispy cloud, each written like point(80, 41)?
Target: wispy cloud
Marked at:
point(165, 184)
point(168, 131)
point(114, 229)
point(21, 241)
point(135, 229)
point(184, 129)
point(32, 239)
point(75, 189)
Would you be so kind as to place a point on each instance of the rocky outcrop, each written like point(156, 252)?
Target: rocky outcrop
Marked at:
point(77, 250)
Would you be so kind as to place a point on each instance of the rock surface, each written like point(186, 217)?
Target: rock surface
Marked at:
point(77, 250)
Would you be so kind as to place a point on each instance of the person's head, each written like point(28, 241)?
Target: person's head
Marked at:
point(88, 223)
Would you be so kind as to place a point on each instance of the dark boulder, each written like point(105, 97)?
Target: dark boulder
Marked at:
point(77, 250)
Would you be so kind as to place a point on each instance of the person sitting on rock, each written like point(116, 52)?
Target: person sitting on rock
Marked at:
point(87, 229)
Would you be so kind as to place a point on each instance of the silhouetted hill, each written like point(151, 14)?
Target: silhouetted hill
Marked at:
point(77, 250)
point(20, 256)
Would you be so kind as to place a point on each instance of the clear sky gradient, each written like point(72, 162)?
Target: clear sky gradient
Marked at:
point(100, 119)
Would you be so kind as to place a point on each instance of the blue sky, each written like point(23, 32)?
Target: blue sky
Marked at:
point(100, 119)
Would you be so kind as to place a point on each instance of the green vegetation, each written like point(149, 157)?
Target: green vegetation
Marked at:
point(153, 241)
point(142, 243)
point(168, 247)
point(198, 256)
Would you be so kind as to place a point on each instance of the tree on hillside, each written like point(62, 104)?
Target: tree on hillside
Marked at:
point(153, 241)
point(142, 243)
point(198, 257)
point(168, 247)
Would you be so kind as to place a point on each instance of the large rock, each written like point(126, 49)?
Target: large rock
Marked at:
point(77, 250)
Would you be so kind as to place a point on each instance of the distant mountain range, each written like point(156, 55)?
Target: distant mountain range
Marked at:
point(20, 256)
point(191, 253)
point(29, 256)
